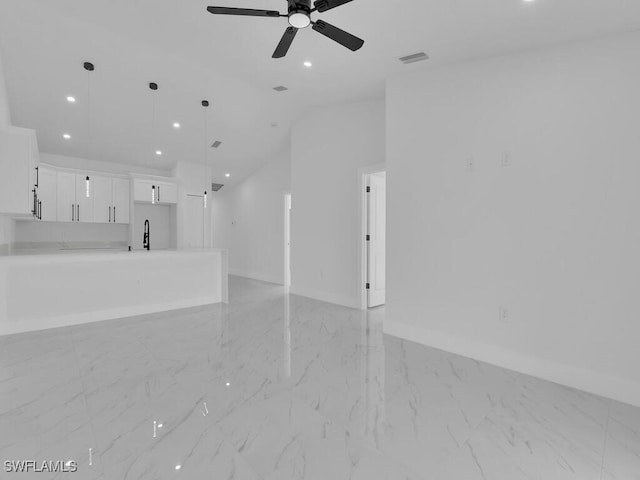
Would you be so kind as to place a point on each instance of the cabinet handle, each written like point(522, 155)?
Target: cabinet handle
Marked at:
point(114, 214)
point(109, 214)
point(35, 203)
point(37, 177)
point(158, 193)
point(39, 209)
point(73, 213)
point(78, 215)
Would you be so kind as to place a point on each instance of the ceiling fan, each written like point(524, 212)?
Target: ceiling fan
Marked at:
point(299, 15)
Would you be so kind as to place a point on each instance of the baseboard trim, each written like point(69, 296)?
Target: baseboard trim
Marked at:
point(337, 299)
point(616, 388)
point(256, 276)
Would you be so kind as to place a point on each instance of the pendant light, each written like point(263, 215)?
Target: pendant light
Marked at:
point(154, 88)
point(89, 67)
point(205, 104)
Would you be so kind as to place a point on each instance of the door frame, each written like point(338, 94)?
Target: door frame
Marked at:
point(363, 173)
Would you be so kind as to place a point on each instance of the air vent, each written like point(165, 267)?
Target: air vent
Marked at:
point(281, 88)
point(416, 57)
point(216, 186)
point(216, 144)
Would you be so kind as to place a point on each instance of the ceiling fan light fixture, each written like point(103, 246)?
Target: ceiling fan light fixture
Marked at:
point(299, 19)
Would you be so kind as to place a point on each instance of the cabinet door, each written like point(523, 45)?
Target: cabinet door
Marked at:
point(120, 200)
point(102, 193)
point(66, 197)
point(47, 189)
point(84, 199)
point(167, 193)
point(142, 190)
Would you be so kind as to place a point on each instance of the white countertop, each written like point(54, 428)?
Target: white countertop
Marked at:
point(98, 254)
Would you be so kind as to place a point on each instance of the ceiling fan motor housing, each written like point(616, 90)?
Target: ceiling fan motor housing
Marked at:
point(299, 14)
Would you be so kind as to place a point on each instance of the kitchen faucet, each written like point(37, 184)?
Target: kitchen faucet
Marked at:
point(146, 243)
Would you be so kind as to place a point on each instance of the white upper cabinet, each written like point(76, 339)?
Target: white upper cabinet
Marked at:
point(75, 197)
point(143, 190)
point(47, 194)
point(167, 193)
point(102, 198)
point(121, 198)
point(84, 198)
point(18, 158)
point(110, 199)
point(66, 196)
point(154, 191)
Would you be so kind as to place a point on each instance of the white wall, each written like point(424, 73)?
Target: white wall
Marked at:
point(57, 235)
point(161, 224)
point(328, 147)
point(249, 221)
point(193, 179)
point(5, 112)
point(6, 224)
point(554, 238)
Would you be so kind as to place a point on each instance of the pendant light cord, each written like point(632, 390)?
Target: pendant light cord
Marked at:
point(88, 115)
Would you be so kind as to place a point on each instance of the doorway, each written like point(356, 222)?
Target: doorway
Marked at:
point(373, 182)
point(287, 240)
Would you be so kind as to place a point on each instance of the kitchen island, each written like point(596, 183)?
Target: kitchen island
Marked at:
point(53, 290)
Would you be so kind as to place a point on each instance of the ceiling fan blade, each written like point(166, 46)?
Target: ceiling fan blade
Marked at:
point(345, 39)
point(324, 5)
point(285, 42)
point(250, 12)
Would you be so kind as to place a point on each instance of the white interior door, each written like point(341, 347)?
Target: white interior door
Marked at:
point(194, 222)
point(376, 244)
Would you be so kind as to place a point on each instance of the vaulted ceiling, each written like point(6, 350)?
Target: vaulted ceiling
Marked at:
point(193, 55)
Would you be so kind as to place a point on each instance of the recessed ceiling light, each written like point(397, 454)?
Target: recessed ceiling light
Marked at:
point(227, 175)
point(176, 125)
point(228, 384)
point(178, 467)
point(66, 136)
point(71, 99)
point(158, 152)
point(308, 64)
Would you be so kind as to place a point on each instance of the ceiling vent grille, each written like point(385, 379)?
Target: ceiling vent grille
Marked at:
point(216, 186)
point(280, 88)
point(416, 57)
point(216, 144)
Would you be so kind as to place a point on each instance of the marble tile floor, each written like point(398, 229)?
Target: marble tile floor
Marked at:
point(275, 386)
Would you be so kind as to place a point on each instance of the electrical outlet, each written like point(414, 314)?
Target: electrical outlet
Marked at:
point(503, 314)
point(470, 164)
point(506, 159)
